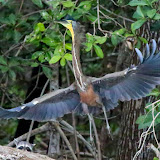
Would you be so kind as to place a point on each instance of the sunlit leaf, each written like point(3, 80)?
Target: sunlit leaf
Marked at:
point(100, 39)
point(55, 59)
point(68, 46)
point(68, 56)
point(89, 46)
point(68, 4)
point(89, 38)
point(143, 40)
point(63, 62)
point(39, 27)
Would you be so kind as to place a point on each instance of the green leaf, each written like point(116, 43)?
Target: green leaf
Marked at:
point(37, 54)
point(38, 3)
point(48, 41)
point(120, 31)
point(157, 16)
point(86, 5)
point(139, 12)
point(3, 60)
point(89, 46)
point(34, 64)
point(89, 38)
point(68, 56)
point(41, 58)
point(4, 69)
point(143, 40)
point(46, 16)
point(92, 18)
point(138, 44)
point(12, 74)
point(55, 59)
point(155, 92)
point(68, 46)
point(68, 4)
point(59, 50)
point(12, 19)
point(100, 40)
point(137, 24)
point(137, 3)
point(151, 13)
point(114, 39)
point(98, 51)
point(39, 28)
point(63, 62)
point(48, 72)
point(155, 158)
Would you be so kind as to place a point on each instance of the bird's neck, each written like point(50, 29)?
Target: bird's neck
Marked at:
point(79, 77)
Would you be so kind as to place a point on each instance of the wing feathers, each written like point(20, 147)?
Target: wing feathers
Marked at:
point(50, 107)
point(134, 83)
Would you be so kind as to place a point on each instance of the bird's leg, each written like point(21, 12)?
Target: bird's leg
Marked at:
point(107, 123)
point(90, 127)
point(85, 110)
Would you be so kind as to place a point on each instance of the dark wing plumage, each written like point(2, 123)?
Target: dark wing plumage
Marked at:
point(133, 83)
point(46, 108)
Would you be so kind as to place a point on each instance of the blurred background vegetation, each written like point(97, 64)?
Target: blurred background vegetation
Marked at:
point(31, 40)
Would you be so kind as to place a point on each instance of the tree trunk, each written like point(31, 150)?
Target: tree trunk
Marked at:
point(129, 134)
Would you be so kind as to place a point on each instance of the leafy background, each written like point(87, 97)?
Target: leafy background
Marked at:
point(30, 37)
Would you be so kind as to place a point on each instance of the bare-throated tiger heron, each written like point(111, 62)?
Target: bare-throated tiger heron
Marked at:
point(134, 83)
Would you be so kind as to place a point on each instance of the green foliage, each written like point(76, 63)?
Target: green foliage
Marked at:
point(92, 41)
point(143, 12)
point(145, 120)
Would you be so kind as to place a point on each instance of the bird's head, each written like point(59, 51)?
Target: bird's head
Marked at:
point(74, 27)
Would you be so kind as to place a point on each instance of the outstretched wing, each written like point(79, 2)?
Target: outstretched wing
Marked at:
point(46, 108)
point(133, 83)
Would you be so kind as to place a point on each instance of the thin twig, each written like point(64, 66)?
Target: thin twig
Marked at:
point(41, 129)
point(58, 128)
point(124, 18)
point(71, 130)
point(97, 139)
point(21, 6)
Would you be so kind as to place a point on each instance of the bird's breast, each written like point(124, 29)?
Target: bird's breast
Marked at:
point(89, 96)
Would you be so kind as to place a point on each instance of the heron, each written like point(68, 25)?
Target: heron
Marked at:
point(90, 95)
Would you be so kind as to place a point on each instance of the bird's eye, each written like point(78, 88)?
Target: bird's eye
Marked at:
point(28, 149)
point(21, 147)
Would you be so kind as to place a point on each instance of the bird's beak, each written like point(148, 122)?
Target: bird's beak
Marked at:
point(68, 25)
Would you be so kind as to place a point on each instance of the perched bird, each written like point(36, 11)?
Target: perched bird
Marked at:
point(90, 95)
